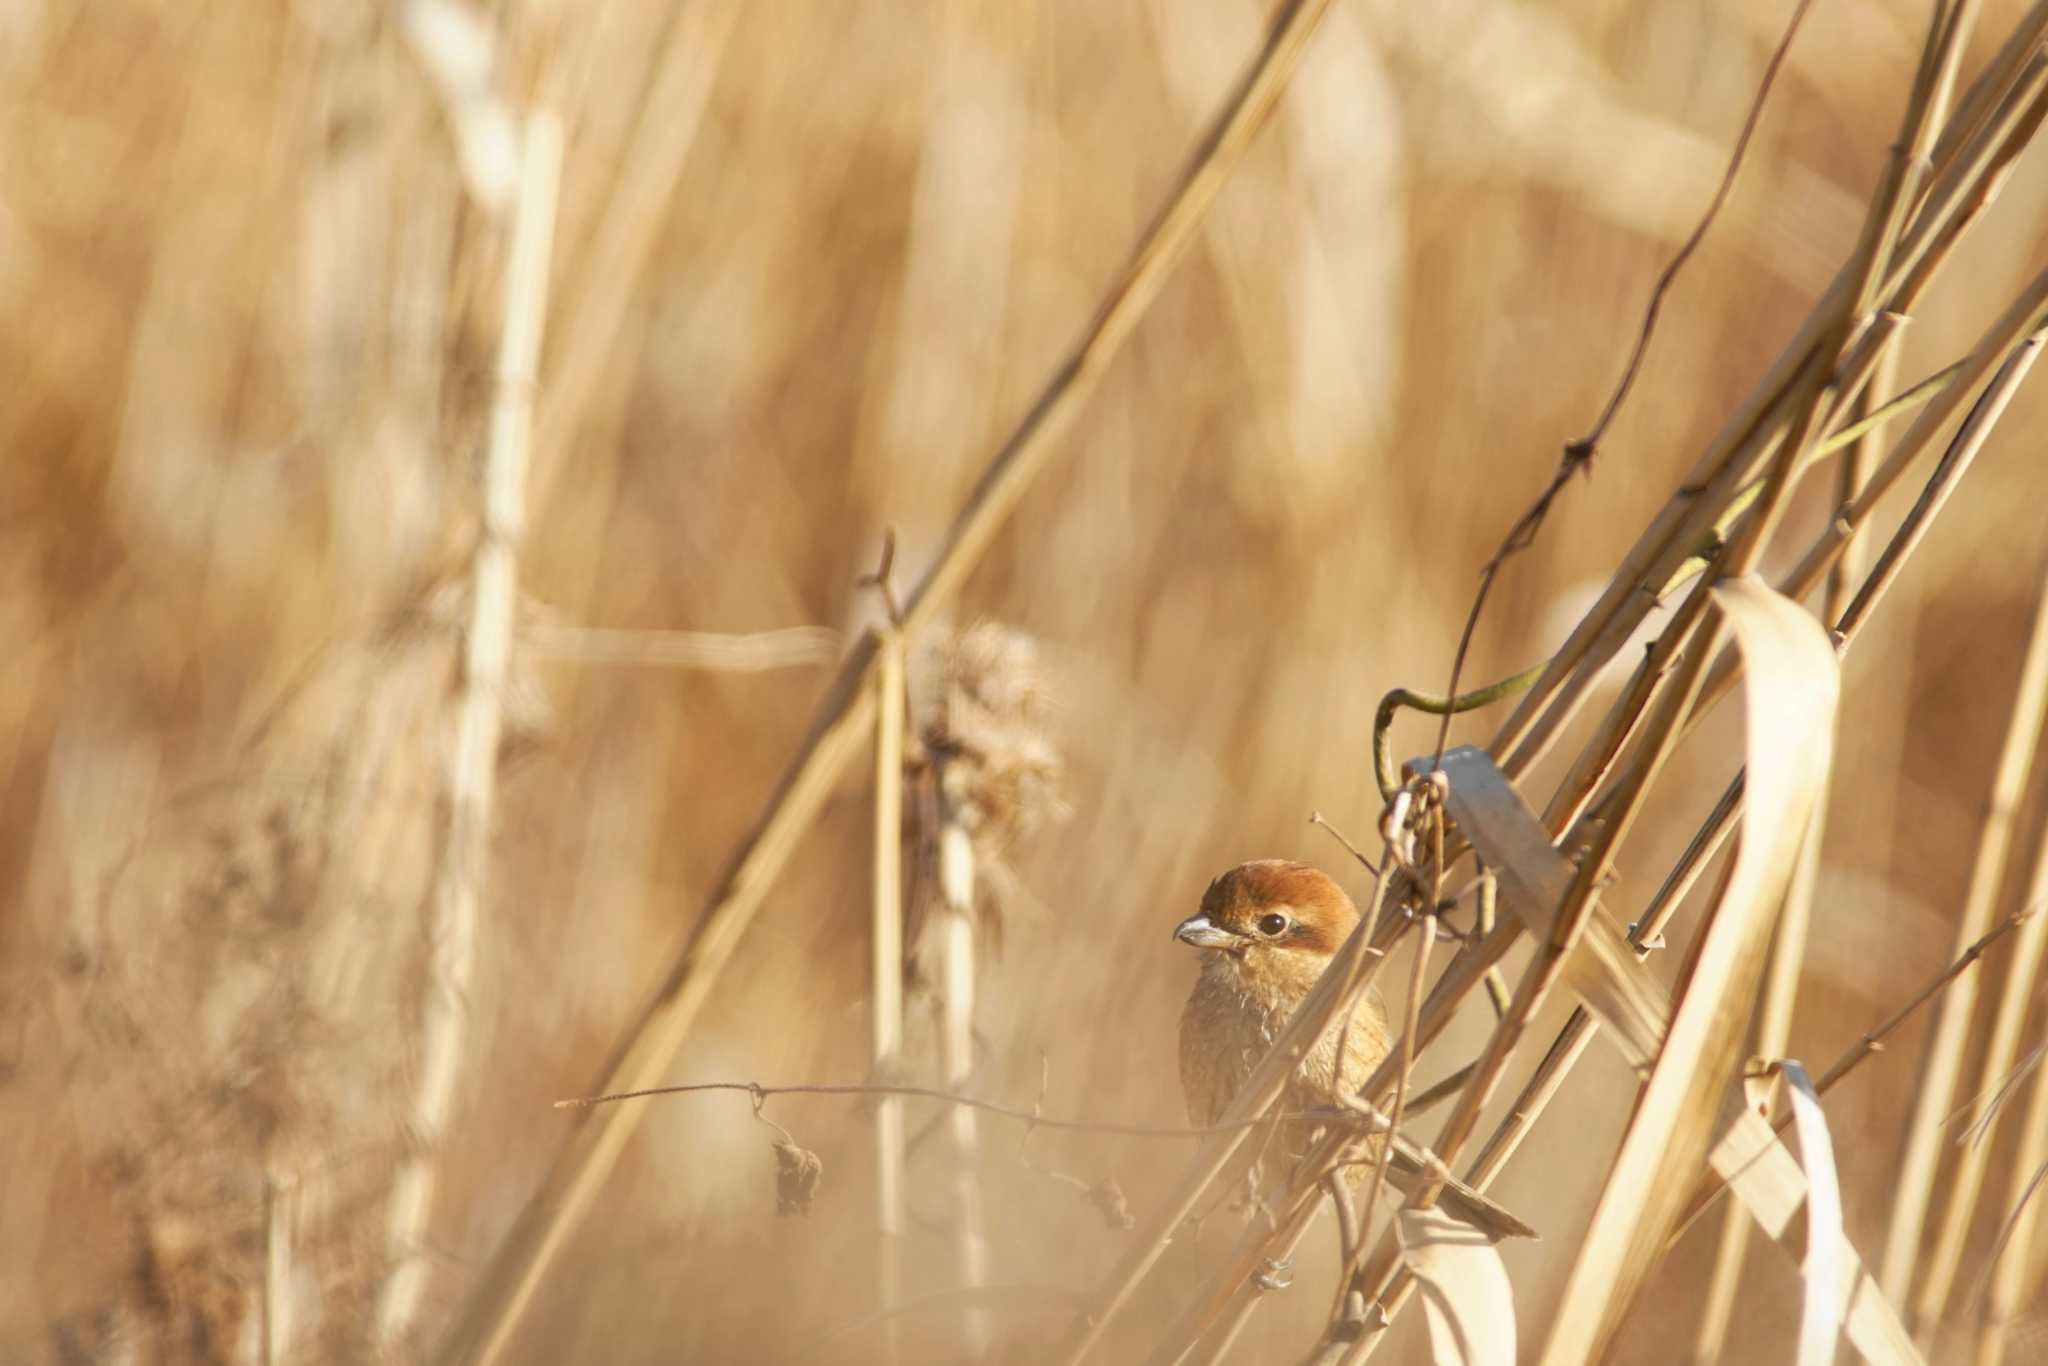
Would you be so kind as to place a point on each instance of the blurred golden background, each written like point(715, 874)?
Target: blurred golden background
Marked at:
point(811, 264)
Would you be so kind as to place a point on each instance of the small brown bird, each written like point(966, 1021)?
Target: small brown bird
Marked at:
point(1268, 929)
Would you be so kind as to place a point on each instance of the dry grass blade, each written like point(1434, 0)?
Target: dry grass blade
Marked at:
point(1791, 689)
point(1771, 1186)
point(1942, 1061)
point(1465, 1290)
point(1827, 1247)
point(503, 1293)
point(1751, 433)
point(1773, 1035)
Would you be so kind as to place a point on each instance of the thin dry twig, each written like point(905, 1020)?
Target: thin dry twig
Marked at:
point(1032, 1117)
point(1578, 454)
point(1669, 275)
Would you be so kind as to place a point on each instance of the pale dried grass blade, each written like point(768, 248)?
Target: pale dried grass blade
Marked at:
point(1466, 1294)
point(1767, 1180)
point(1791, 686)
point(1772, 1040)
point(1827, 1246)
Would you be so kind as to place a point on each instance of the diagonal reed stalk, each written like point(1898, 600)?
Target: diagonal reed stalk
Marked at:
point(1932, 1297)
point(1942, 1060)
point(2012, 1266)
point(886, 980)
point(1392, 1283)
point(1746, 439)
point(484, 1326)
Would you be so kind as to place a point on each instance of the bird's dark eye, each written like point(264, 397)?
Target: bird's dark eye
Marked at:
point(1272, 925)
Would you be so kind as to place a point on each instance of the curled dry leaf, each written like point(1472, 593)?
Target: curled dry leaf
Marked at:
point(796, 1177)
point(1465, 1290)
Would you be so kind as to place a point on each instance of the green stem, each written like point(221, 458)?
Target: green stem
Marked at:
point(1382, 754)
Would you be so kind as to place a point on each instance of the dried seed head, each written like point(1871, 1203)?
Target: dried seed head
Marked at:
point(986, 730)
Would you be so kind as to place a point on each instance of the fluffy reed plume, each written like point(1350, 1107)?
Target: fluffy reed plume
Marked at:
point(988, 734)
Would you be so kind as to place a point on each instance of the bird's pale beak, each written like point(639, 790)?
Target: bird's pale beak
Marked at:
point(1204, 933)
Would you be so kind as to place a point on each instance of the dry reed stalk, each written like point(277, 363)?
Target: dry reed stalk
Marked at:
point(1791, 690)
point(1934, 1093)
point(1855, 464)
point(1858, 457)
point(886, 979)
point(1747, 438)
point(993, 777)
point(483, 1328)
point(280, 1221)
point(1806, 397)
point(628, 226)
point(1956, 459)
point(1388, 1281)
point(472, 769)
point(956, 1054)
point(1931, 1297)
point(1955, 462)
point(2012, 1265)
point(1392, 1283)
point(1404, 1075)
